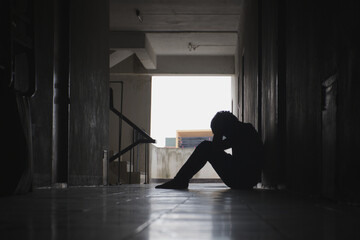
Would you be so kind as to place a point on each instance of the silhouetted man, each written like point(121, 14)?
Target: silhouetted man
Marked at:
point(241, 170)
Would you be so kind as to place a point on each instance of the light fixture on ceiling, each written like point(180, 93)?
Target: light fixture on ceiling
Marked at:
point(192, 47)
point(138, 15)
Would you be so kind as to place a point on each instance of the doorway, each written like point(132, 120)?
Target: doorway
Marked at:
point(181, 111)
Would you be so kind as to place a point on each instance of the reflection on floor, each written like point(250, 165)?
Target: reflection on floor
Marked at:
point(205, 211)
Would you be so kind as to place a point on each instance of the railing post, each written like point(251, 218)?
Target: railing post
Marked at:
point(139, 136)
point(105, 167)
point(120, 128)
point(146, 163)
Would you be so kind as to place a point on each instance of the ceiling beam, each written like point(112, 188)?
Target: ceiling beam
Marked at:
point(119, 56)
point(127, 43)
point(188, 65)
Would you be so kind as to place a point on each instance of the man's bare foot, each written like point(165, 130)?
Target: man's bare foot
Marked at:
point(174, 184)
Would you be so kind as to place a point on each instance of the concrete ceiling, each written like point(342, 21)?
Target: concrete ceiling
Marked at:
point(176, 27)
point(195, 43)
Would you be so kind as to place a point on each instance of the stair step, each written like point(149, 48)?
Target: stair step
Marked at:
point(125, 176)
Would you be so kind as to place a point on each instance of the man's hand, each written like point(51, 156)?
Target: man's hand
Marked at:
point(220, 143)
point(217, 140)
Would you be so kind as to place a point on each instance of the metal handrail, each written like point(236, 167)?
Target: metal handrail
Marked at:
point(128, 121)
point(146, 138)
point(128, 148)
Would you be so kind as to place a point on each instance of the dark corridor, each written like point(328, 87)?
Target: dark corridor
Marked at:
point(296, 71)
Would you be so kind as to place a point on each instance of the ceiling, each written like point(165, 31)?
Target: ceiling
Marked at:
point(180, 27)
point(175, 15)
point(199, 43)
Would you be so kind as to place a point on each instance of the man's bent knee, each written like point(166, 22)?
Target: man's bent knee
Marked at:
point(205, 145)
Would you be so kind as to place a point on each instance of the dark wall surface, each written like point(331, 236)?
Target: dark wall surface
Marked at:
point(14, 147)
point(303, 99)
point(303, 57)
point(248, 51)
point(41, 102)
point(89, 90)
point(271, 80)
point(259, 76)
point(321, 44)
point(88, 63)
point(348, 114)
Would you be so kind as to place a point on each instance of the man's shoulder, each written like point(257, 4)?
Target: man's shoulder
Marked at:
point(247, 128)
point(246, 125)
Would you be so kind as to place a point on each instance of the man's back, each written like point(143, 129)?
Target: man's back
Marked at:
point(248, 152)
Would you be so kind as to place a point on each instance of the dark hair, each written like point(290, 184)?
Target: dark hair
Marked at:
point(223, 120)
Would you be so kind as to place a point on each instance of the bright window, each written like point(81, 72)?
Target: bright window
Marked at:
point(186, 103)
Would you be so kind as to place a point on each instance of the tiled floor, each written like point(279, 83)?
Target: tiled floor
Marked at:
point(205, 211)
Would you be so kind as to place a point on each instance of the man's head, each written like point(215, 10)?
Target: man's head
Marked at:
point(223, 123)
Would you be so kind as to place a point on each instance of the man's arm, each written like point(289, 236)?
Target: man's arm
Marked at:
point(220, 143)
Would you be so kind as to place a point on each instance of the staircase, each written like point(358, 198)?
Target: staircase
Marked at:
point(126, 176)
point(127, 172)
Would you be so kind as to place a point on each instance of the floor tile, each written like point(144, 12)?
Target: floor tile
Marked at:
point(205, 211)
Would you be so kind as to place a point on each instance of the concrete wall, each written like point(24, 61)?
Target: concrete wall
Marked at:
point(234, 95)
point(166, 162)
point(42, 101)
point(258, 80)
point(348, 116)
point(89, 90)
point(272, 81)
point(136, 107)
point(248, 47)
point(303, 100)
point(318, 47)
point(291, 50)
point(89, 76)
